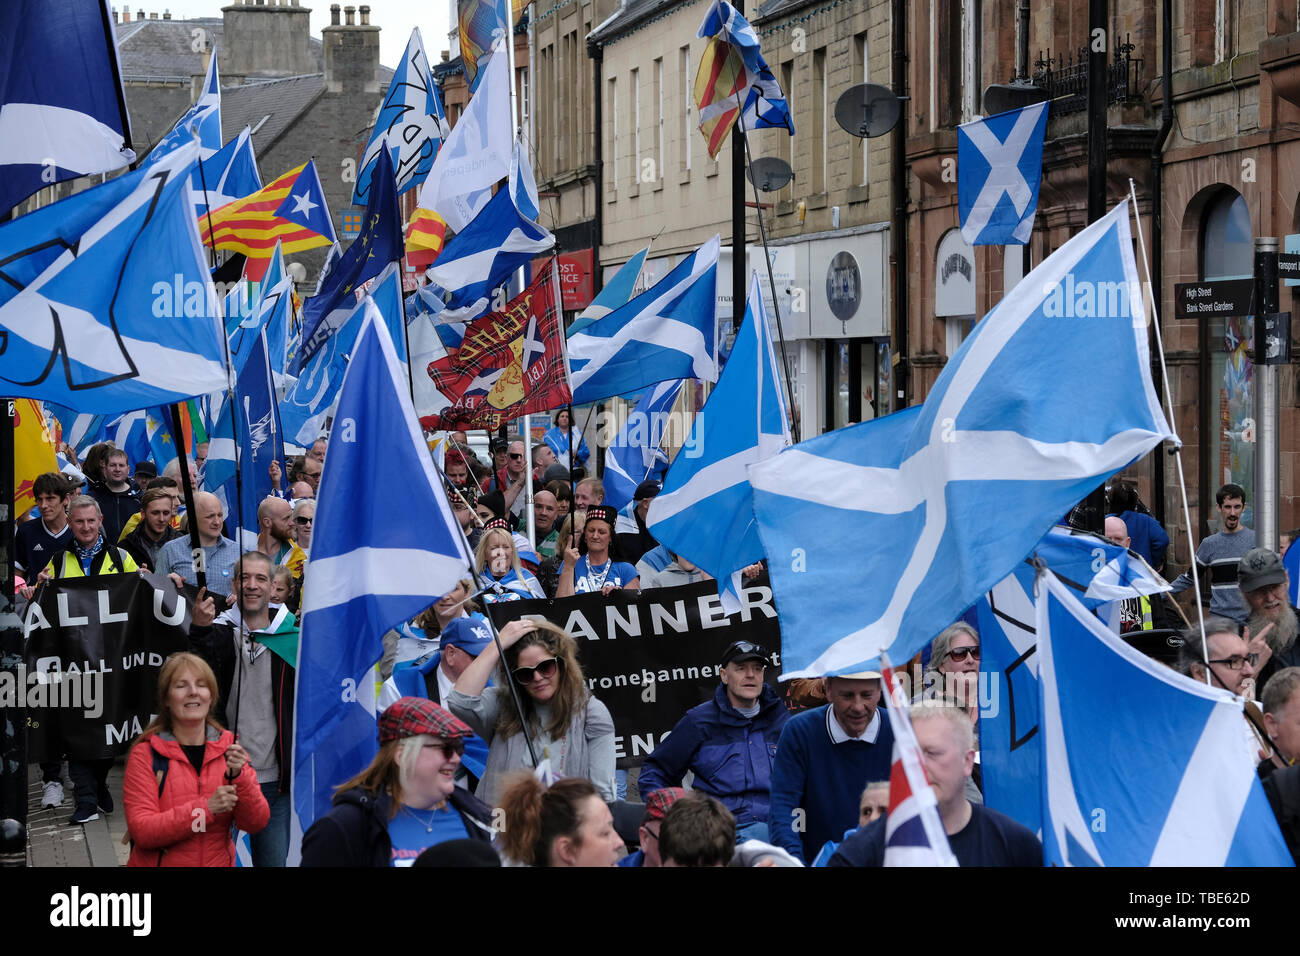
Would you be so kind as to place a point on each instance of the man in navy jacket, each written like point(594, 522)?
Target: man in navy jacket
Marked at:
point(728, 742)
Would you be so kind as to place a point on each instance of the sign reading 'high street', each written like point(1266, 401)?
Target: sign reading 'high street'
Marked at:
point(1223, 297)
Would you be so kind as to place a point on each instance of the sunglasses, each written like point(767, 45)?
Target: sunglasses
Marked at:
point(449, 748)
point(961, 653)
point(302, 520)
point(546, 668)
point(1237, 661)
point(513, 455)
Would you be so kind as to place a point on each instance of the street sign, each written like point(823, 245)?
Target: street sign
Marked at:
point(1288, 266)
point(1192, 300)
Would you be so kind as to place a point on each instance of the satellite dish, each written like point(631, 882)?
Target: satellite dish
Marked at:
point(768, 173)
point(867, 110)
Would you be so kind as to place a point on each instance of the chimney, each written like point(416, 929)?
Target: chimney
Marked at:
point(154, 15)
point(115, 14)
point(446, 55)
point(126, 15)
point(139, 14)
point(266, 39)
point(351, 53)
point(334, 14)
point(167, 14)
point(349, 14)
point(365, 16)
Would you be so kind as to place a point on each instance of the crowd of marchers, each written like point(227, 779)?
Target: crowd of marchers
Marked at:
point(746, 778)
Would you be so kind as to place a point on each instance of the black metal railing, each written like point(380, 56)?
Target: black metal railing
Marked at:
point(1065, 77)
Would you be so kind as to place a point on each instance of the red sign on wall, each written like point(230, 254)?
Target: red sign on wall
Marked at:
point(575, 278)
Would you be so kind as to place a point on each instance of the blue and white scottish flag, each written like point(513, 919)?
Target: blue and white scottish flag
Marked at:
point(617, 292)
point(62, 109)
point(478, 261)
point(765, 104)
point(202, 121)
point(635, 455)
point(1141, 766)
point(1099, 574)
point(229, 174)
point(705, 510)
point(669, 331)
point(523, 185)
point(999, 168)
point(411, 124)
point(106, 303)
point(882, 534)
point(372, 566)
point(80, 429)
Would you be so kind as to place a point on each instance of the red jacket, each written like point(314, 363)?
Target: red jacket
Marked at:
point(176, 828)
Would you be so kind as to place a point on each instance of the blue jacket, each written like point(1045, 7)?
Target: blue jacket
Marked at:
point(730, 754)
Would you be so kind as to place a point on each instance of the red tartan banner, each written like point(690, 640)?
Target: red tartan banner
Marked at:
point(510, 364)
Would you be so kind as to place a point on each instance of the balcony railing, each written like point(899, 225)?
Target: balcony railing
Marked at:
point(1065, 77)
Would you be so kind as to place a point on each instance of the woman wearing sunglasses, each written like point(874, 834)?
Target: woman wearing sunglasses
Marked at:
point(567, 725)
point(406, 800)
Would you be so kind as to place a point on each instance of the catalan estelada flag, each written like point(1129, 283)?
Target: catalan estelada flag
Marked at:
point(718, 84)
point(33, 451)
point(291, 209)
point(426, 234)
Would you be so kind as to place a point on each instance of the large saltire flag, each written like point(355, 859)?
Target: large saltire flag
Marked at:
point(510, 363)
point(411, 124)
point(617, 292)
point(372, 566)
point(482, 23)
point(999, 169)
point(734, 81)
point(62, 110)
point(1141, 765)
point(291, 210)
point(106, 303)
point(33, 451)
point(1044, 400)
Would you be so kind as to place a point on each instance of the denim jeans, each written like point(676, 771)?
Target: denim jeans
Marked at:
point(271, 846)
point(753, 831)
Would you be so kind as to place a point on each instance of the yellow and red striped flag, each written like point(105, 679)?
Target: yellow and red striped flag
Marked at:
point(291, 209)
point(718, 84)
point(425, 236)
point(33, 451)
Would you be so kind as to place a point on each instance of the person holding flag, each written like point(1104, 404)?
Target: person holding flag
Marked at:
point(557, 439)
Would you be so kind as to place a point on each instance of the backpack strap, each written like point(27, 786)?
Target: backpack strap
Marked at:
point(160, 767)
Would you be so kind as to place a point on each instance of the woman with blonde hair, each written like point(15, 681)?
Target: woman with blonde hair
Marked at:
point(186, 777)
point(565, 723)
point(565, 824)
point(497, 561)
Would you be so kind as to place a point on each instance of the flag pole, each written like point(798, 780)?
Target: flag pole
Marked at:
point(196, 546)
point(776, 303)
point(1178, 445)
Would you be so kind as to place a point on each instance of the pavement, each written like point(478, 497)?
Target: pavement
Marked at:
point(52, 841)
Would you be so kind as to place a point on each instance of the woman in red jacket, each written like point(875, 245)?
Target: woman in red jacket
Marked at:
point(186, 777)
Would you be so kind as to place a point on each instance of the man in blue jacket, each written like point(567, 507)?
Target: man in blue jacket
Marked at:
point(728, 742)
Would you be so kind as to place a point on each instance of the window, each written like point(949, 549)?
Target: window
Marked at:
point(787, 142)
point(970, 60)
point(636, 126)
point(659, 118)
point(1227, 253)
point(818, 98)
point(524, 103)
point(684, 128)
point(863, 76)
point(612, 144)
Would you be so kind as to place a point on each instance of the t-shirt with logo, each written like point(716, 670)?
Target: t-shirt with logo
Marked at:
point(589, 580)
point(34, 545)
point(410, 832)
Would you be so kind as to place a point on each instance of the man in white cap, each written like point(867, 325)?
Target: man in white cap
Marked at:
point(824, 759)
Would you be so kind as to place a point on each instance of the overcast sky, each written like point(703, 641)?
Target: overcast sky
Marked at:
point(396, 18)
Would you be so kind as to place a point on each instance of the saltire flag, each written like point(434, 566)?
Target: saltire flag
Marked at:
point(34, 448)
point(260, 441)
point(635, 454)
point(523, 185)
point(379, 244)
point(145, 435)
point(510, 363)
point(426, 234)
point(614, 295)
point(734, 81)
point(999, 169)
point(106, 303)
point(429, 343)
point(475, 156)
point(1099, 574)
point(371, 568)
point(62, 110)
point(669, 331)
point(914, 833)
point(481, 259)
point(482, 23)
point(1004, 422)
point(290, 210)
point(308, 401)
point(1159, 774)
point(80, 429)
point(705, 509)
point(202, 121)
point(267, 309)
point(411, 125)
point(227, 175)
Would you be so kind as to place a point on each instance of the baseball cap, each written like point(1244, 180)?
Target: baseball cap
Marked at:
point(739, 651)
point(1260, 568)
point(647, 489)
point(470, 634)
point(498, 444)
point(409, 716)
point(556, 472)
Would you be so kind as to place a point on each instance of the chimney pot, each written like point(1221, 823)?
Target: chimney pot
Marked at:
point(154, 15)
point(350, 15)
point(365, 16)
point(126, 15)
point(167, 14)
point(139, 14)
point(334, 14)
point(115, 14)
point(446, 55)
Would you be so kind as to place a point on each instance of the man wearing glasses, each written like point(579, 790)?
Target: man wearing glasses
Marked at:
point(1231, 667)
point(510, 479)
point(728, 742)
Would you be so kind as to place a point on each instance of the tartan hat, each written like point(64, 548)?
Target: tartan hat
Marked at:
point(658, 802)
point(497, 523)
point(409, 716)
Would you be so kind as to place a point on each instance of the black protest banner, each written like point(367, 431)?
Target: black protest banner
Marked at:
point(651, 656)
point(94, 648)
